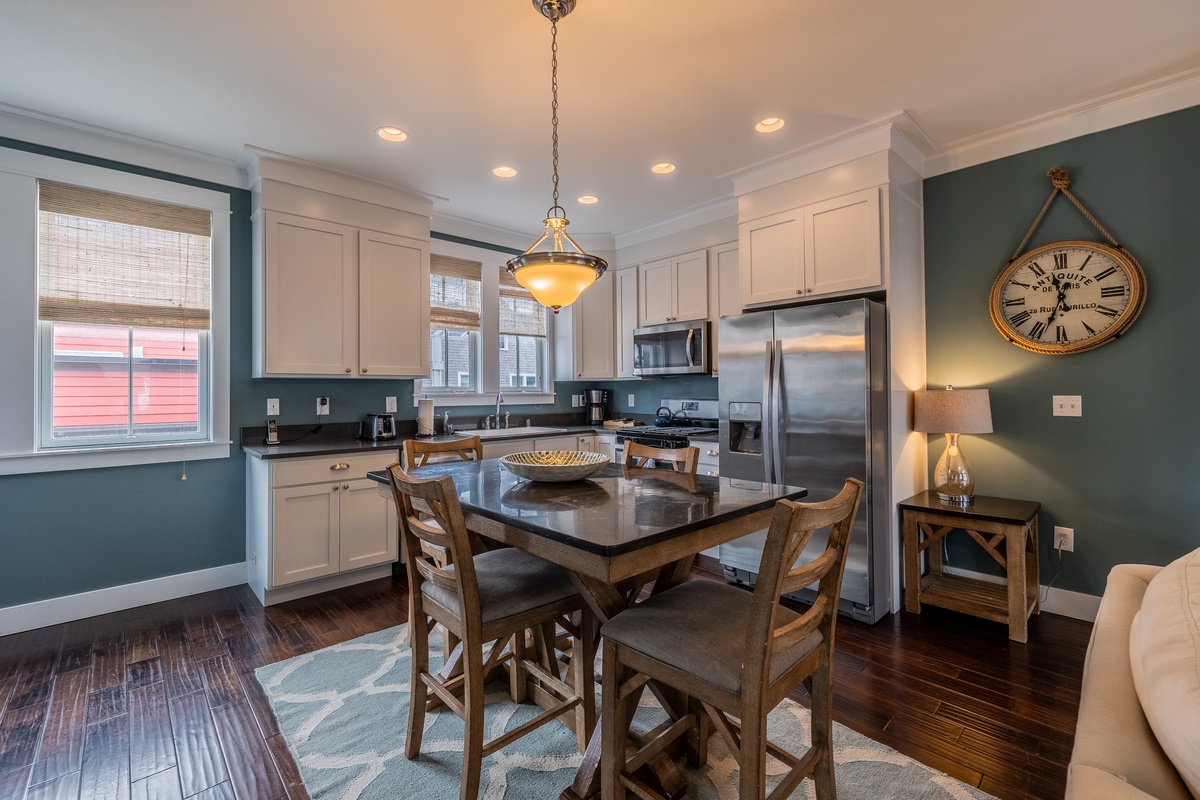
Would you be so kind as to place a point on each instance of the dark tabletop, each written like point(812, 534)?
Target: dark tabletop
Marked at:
point(607, 514)
point(999, 509)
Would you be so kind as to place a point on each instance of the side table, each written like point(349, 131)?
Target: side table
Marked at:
point(926, 519)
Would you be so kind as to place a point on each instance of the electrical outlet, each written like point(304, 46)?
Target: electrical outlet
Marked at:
point(631, 400)
point(574, 401)
point(389, 405)
point(273, 407)
point(322, 406)
point(1064, 539)
point(1068, 405)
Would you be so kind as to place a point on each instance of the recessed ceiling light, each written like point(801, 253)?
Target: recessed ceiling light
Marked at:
point(663, 167)
point(391, 133)
point(588, 199)
point(770, 124)
point(504, 172)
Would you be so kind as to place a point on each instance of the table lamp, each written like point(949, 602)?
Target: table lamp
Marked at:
point(953, 412)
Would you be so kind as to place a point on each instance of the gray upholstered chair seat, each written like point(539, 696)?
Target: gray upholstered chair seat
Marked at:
point(700, 627)
point(511, 582)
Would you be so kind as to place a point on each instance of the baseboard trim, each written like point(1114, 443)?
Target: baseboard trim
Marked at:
point(56, 610)
point(1076, 605)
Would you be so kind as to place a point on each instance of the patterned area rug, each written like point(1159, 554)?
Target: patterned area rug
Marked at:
point(343, 712)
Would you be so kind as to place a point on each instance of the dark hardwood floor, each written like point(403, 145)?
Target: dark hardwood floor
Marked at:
point(161, 701)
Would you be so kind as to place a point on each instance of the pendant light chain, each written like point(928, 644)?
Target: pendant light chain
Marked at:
point(554, 107)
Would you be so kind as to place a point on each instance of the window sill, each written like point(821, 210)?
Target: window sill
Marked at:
point(483, 399)
point(101, 457)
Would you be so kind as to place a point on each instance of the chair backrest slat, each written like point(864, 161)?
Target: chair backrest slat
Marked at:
point(466, 449)
point(792, 527)
point(681, 459)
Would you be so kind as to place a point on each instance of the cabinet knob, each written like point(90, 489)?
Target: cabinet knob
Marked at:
point(347, 369)
point(335, 488)
point(808, 291)
point(799, 291)
point(364, 369)
point(346, 486)
point(340, 465)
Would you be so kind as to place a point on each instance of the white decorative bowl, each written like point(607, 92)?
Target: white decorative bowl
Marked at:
point(554, 466)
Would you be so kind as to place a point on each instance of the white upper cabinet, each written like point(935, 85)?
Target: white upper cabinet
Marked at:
point(593, 331)
point(338, 300)
point(829, 247)
point(626, 303)
point(674, 289)
point(724, 290)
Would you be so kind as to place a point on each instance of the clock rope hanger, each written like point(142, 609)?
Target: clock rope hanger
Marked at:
point(1068, 296)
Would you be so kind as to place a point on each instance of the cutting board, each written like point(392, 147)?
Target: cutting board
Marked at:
point(622, 423)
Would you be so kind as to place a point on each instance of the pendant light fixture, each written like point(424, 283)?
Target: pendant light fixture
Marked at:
point(555, 275)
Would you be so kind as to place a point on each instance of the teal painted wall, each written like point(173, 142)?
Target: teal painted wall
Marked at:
point(1125, 476)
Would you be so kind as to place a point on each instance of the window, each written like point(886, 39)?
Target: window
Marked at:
point(124, 291)
point(487, 332)
point(454, 292)
point(523, 334)
point(149, 371)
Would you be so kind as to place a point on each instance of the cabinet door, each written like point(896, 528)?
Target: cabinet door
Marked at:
point(656, 292)
point(304, 527)
point(690, 287)
point(842, 243)
point(771, 258)
point(369, 533)
point(555, 443)
point(587, 442)
point(626, 319)
point(309, 307)
point(593, 331)
point(725, 291)
point(606, 443)
point(495, 449)
point(393, 306)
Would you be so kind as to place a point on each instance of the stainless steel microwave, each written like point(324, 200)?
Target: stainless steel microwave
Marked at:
point(676, 348)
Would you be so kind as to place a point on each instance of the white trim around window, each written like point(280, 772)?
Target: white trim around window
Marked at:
point(19, 453)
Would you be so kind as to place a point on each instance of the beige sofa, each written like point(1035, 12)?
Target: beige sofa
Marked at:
point(1138, 734)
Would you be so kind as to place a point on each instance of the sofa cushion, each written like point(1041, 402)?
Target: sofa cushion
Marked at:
point(1114, 745)
point(1164, 648)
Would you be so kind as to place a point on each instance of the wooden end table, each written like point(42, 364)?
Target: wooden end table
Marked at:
point(926, 519)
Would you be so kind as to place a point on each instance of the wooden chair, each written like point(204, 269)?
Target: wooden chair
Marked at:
point(732, 654)
point(506, 598)
point(682, 459)
point(465, 449)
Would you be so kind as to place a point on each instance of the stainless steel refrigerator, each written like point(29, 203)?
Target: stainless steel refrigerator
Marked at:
point(803, 401)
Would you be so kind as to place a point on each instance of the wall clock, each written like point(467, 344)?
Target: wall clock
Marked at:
point(1068, 297)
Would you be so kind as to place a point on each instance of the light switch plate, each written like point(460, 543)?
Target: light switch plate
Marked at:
point(631, 401)
point(1068, 405)
point(273, 407)
point(389, 405)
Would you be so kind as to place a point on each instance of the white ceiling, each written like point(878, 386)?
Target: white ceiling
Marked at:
point(639, 82)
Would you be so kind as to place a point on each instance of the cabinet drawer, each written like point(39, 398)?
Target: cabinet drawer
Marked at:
point(319, 469)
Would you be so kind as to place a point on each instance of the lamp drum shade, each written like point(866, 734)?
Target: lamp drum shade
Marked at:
point(952, 411)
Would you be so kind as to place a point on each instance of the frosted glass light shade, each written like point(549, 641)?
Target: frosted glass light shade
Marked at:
point(556, 276)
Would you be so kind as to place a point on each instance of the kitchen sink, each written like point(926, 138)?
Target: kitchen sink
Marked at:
point(506, 433)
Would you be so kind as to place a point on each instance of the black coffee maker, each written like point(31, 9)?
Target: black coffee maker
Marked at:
point(597, 406)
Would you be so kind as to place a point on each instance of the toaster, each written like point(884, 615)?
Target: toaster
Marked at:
point(378, 426)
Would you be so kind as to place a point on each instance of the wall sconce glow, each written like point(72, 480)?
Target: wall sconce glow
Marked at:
point(391, 133)
point(770, 124)
point(589, 199)
point(504, 172)
point(663, 168)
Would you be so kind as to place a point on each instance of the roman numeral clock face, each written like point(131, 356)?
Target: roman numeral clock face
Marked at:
point(1068, 297)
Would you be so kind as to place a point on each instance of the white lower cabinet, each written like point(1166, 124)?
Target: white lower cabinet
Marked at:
point(315, 523)
point(606, 443)
point(503, 447)
point(710, 458)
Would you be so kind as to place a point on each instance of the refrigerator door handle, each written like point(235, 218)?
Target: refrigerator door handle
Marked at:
point(777, 410)
point(767, 431)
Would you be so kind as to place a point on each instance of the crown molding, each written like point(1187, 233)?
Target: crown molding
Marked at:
point(694, 217)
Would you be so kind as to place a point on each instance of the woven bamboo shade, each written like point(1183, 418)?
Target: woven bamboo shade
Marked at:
point(111, 259)
point(520, 314)
point(454, 287)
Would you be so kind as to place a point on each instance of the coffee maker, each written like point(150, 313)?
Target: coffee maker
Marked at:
point(597, 406)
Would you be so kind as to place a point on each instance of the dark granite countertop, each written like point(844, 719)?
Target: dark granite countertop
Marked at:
point(345, 442)
point(609, 513)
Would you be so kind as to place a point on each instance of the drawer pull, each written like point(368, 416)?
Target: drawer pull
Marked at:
point(341, 465)
point(714, 452)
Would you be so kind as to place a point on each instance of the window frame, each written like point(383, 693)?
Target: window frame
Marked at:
point(489, 339)
point(20, 337)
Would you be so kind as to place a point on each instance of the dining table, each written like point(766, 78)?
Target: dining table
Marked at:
point(616, 533)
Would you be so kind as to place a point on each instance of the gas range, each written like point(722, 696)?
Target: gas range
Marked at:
point(697, 422)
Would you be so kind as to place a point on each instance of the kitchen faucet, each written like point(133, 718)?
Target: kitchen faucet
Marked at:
point(499, 400)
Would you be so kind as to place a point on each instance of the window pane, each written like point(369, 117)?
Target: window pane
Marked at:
point(451, 359)
point(521, 363)
point(113, 383)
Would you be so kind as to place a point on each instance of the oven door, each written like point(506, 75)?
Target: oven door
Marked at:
point(677, 348)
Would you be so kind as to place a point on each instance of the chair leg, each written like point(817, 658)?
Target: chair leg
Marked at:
point(583, 657)
point(517, 675)
point(822, 730)
point(418, 691)
point(612, 727)
point(752, 759)
point(697, 738)
point(472, 764)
